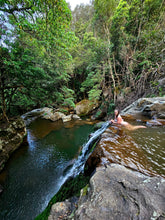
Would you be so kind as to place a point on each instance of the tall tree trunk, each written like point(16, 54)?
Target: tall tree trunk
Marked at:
point(109, 62)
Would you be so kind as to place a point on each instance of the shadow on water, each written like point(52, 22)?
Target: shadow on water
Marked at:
point(35, 172)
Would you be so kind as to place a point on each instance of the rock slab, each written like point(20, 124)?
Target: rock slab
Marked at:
point(11, 138)
point(151, 107)
point(118, 193)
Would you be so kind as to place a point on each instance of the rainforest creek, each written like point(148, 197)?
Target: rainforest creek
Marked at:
point(61, 72)
point(67, 171)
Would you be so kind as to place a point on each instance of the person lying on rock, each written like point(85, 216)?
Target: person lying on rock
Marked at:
point(118, 120)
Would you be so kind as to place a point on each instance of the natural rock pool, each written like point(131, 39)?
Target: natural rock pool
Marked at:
point(35, 172)
point(141, 150)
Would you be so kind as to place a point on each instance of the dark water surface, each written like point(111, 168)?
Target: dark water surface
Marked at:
point(35, 172)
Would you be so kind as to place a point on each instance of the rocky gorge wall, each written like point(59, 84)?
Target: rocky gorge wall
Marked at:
point(11, 137)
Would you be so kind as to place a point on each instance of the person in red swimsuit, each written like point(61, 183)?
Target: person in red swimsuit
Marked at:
point(118, 120)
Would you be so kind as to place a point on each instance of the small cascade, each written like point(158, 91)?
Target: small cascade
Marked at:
point(79, 164)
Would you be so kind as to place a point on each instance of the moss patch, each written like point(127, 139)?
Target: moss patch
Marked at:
point(70, 188)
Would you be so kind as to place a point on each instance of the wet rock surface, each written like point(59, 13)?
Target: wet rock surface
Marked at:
point(115, 193)
point(150, 107)
point(11, 137)
point(118, 193)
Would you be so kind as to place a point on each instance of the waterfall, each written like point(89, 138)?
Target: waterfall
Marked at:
point(79, 164)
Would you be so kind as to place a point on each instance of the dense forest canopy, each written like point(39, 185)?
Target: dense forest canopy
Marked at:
point(104, 51)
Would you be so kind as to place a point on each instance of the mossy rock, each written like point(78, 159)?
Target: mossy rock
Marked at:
point(85, 107)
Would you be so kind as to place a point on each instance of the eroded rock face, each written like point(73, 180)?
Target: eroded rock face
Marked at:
point(11, 138)
point(117, 193)
point(85, 107)
point(150, 107)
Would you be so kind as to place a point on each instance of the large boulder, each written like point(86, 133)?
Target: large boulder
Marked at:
point(118, 193)
point(11, 137)
point(48, 114)
point(85, 107)
point(63, 210)
point(150, 107)
point(51, 115)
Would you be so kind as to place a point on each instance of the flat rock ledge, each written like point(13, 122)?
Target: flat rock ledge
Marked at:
point(150, 107)
point(118, 193)
point(48, 114)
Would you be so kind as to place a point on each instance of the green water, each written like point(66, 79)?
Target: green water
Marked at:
point(35, 172)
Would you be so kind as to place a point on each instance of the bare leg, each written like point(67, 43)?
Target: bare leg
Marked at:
point(133, 127)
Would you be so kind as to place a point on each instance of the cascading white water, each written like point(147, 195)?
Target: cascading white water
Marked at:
point(79, 164)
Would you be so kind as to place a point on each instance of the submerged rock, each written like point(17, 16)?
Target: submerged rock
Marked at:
point(154, 123)
point(11, 138)
point(118, 193)
point(85, 107)
point(150, 107)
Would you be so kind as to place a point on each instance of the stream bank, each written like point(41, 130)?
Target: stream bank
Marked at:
point(11, 137)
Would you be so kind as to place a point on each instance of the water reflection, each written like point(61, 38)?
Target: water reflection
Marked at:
point(35, 172)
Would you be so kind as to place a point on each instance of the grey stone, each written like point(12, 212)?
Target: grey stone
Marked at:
point(67, 118)
point(60, 209)
point(76, 117)
point(63, 210)
point(118, 193)
point(150, 107)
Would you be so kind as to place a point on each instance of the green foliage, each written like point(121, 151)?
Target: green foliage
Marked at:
point(109, 45)
point(111, 108)
point(34, 69)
